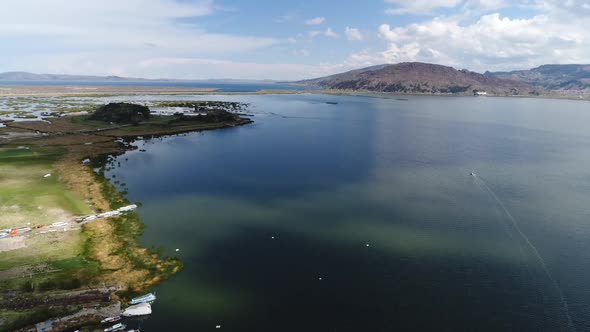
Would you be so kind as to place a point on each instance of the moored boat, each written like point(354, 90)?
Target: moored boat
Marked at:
point(141, 309)
point(150, 297)
point(111, 319)
point(116, 327)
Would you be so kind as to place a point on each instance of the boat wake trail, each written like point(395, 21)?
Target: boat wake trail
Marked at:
point(565, 307)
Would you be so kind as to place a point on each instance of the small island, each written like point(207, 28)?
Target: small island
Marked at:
point(68, 238)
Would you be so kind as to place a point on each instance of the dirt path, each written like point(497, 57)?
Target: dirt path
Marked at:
point(12, 243)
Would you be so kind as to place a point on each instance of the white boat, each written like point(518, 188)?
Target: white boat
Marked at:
point(141, 309)
point(111, 319)
point(109, 214)
point(127, 208)
point(150, 297)
point(472, 174)
point(115, 327)
point(89, 218)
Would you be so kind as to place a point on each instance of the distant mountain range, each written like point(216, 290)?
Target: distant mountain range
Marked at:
point(26, 76)
point(551, 77)
point(570, 80)
point(425, 78)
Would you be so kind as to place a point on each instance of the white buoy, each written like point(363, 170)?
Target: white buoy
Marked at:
point(367, 245)
point(320, 278)
point(177, 249)
point(217, 326)
point(272, 237)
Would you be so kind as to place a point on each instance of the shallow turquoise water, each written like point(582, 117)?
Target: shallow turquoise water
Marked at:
point(363, 216)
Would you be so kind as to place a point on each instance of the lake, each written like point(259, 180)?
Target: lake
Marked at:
point(364, 216)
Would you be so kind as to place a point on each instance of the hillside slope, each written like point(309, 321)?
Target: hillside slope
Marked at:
point(423, 78)
point(564, 79)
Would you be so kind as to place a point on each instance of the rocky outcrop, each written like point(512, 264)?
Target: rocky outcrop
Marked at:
point(121, 113)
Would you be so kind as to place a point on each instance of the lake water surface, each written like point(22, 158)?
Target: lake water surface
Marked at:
point(363, 216)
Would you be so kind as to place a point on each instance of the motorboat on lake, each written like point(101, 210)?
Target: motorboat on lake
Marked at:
point(150, 297)
point(115, 327)
point(111, 319)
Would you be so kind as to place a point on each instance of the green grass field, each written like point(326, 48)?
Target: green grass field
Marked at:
point(27, 198)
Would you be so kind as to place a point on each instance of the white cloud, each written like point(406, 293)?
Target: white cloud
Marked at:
point(96, 37)
point(462, 7)
point(492, 42)
point(330, 33)
point(353, 34)
point(315, 21)
point(419, 6)
point(565, 8)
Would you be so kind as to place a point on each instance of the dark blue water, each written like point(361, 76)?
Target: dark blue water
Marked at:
point(363, 216)
point(220, 86)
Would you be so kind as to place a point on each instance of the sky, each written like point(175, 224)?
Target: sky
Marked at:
point(286, 39)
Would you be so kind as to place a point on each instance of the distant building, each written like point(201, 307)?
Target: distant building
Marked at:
point(480, 93)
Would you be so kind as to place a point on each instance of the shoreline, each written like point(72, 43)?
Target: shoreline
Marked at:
point(15, 91)
point(124, 266)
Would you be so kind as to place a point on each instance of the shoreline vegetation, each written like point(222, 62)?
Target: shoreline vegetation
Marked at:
point(76, 277)
point(108, 91)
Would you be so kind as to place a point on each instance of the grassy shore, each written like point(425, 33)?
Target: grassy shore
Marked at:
point(102, 262)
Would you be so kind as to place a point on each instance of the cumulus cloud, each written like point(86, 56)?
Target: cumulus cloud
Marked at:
point(315, 21)
point(565, 8)
point(493, 41)
point(353, 34)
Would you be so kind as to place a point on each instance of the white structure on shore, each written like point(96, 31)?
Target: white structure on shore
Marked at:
point(107, 214)
point(481, 93)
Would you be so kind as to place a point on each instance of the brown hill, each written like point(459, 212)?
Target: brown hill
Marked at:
point(421, 78)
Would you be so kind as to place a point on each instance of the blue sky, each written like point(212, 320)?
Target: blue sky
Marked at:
point(285, 40)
